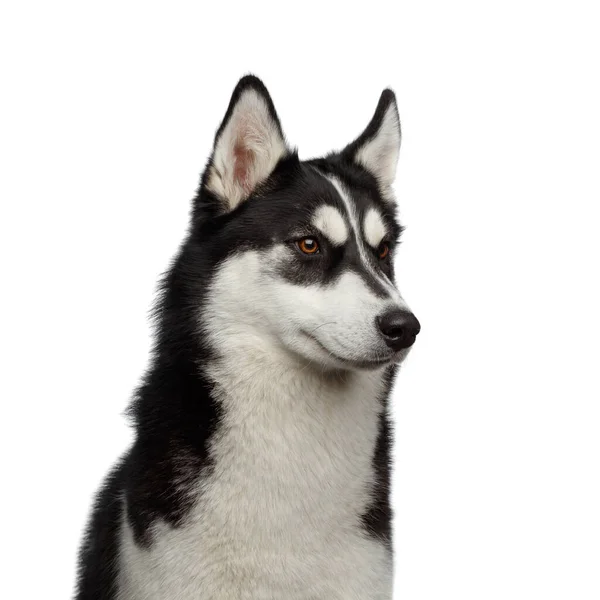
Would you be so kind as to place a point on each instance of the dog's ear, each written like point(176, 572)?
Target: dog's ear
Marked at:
point(248, 145)
point(378, 147)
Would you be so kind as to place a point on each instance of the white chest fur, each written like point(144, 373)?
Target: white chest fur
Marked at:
point(279, 516)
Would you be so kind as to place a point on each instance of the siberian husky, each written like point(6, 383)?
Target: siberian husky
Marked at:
point(260, 468)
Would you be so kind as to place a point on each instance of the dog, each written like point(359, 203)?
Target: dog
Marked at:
point(260, 468)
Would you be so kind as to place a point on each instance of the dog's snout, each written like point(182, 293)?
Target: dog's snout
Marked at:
point(399, 328)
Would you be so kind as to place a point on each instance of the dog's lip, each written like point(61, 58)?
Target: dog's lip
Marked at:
point(364, 364)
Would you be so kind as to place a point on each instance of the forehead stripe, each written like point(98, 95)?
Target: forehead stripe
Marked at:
point(330, 222)
point(384, 281)
point(374, 228)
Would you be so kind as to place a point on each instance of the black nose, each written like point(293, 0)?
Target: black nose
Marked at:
point(399, 328)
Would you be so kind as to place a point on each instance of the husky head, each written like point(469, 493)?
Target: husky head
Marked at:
point(299, 254)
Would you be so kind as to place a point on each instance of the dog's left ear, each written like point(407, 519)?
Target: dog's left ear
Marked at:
point(248, 145)
point(378, 147)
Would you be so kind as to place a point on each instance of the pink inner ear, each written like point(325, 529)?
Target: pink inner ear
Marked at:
point(243, 157)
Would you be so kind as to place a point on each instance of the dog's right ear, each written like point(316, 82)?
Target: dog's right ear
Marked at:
point(248, 145)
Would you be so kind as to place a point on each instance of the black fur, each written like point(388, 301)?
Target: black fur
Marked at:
point(173, 412)
point(98, 554)
point(378, 519)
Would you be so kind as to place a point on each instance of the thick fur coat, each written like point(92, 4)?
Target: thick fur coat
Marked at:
point(260, 468)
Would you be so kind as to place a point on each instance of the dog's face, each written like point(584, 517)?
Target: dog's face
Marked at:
point(303, 251)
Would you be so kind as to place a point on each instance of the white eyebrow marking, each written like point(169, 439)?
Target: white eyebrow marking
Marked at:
point(331, 223)
point(374, 228)
point(362, 250)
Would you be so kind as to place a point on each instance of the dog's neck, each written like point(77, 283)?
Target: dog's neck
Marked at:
point(257, 372)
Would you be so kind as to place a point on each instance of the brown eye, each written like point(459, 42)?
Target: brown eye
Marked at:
point(383, 250)
point(308, 245)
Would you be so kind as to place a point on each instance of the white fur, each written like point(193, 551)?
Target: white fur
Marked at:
point(330, 222)
point(279, 516)
point(322, 325)
point(374, 228)
point(380, 154)
point(251, 129)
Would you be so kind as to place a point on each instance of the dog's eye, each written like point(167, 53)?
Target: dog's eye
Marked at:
point(383, 250)
point(308, 245)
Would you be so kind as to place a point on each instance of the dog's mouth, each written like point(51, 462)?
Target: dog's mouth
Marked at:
point(365, 363)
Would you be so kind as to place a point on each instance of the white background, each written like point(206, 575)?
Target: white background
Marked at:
point(108, 112)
